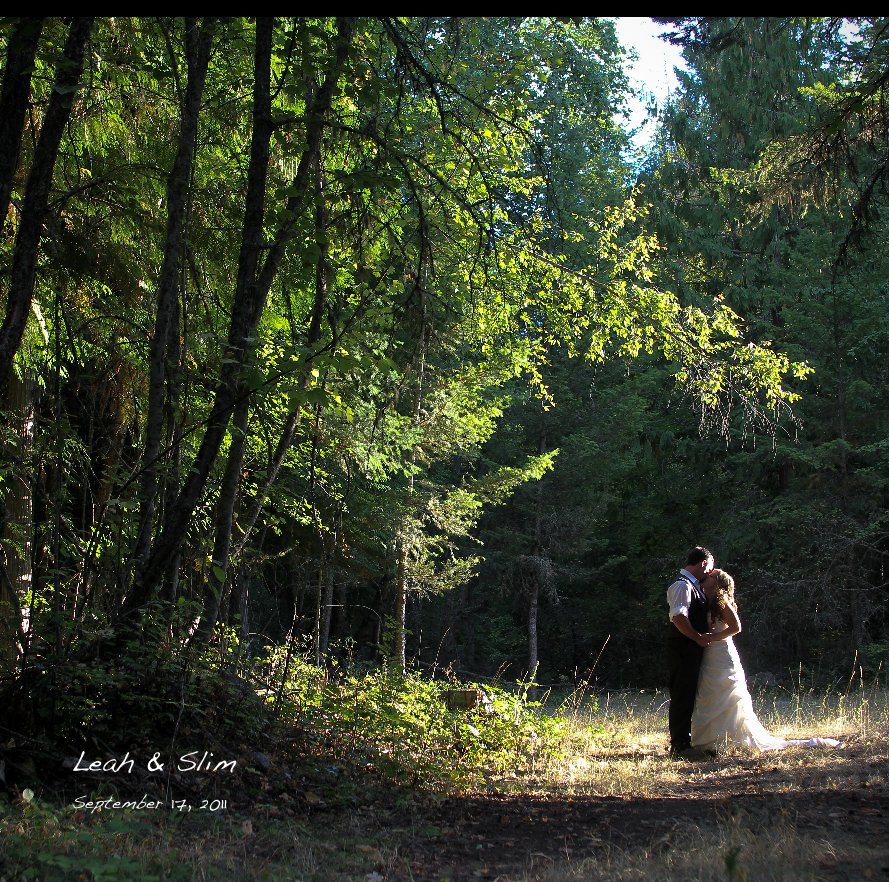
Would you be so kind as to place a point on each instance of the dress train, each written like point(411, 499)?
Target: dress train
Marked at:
point(724, 709)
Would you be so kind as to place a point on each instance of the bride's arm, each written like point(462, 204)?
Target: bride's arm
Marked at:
point(732, 625)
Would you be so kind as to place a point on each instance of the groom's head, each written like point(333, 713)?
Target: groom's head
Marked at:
point(699, 562)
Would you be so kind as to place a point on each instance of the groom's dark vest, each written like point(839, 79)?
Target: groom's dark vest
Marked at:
point(697, 609)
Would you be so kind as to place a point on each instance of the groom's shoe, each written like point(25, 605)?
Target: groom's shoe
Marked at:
point(692, 755)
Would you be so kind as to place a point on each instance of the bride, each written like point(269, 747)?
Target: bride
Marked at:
point(723, 707)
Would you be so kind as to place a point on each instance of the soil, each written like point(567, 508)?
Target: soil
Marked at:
point(294, 817)
point(516, 833)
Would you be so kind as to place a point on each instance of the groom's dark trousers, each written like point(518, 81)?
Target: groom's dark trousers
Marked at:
point(683, 665)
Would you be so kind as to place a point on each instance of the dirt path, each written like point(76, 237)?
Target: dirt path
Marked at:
point(298, 818)
point(841, 802)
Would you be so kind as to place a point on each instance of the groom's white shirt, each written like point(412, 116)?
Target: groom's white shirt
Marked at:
point(679, 594)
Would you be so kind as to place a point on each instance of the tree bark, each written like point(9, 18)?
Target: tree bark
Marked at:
point(534, 592)
point(20, 53)
point(34, 204)
point(250, 293)
point(399, 635)
point(17, 569)
point(401, 578)
point(198, 41)
point(225, 514)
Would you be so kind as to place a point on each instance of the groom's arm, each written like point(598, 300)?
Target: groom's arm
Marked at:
point(684, 626)
point(679, 599)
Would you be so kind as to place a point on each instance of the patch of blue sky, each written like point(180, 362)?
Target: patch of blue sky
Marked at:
point(650, 66)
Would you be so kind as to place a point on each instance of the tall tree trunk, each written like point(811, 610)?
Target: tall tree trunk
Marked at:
point(21, 51)
point(313, 335)
point(538, 566)
point(399, 613)
point(172, 474)
point(231, 480)
point(339, 618)
point(250, 293)
point(316, 112)
point(401, 554)
point(246, 309)
point(319, 601)
point(329, 568)
point(34, 204)
point(198, 41)
point(16, 565)
point(533, 608)
point(225, 515)
point(847, 578)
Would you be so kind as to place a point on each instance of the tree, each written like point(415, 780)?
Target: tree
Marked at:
point(21, 50)
point(34, 203)
point(255, 279)
point(736, 227)
point(421, 223)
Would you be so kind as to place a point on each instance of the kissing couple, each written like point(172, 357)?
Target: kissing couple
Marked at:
point(710, 704)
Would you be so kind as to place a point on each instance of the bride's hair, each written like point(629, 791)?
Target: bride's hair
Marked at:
point(725, 594)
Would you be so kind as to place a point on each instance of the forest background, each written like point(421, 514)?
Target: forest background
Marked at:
point(373, 341)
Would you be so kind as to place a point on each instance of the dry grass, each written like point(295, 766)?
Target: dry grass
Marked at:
point(749, 804)
point(742, 817)
point(757, 816)
point(627, 757)
point(736, 850)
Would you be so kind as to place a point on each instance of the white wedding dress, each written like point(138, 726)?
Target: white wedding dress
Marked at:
point(724, 709)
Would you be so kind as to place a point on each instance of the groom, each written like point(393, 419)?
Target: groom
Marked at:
point(685, 645)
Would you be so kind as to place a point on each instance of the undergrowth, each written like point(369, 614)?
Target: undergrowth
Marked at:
point(400, 725)
point(46, 843)
point(378, 726)
point(391, 729)
point(366, 727)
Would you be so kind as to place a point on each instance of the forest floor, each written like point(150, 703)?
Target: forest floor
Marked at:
point(804, 814)
point(622, 811)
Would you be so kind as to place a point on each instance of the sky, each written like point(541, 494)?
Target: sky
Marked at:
point(653, 70)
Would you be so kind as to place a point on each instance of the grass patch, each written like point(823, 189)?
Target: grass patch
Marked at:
point(618, 743)
point(737, 849)
point(372, 773)
point(43, 843)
